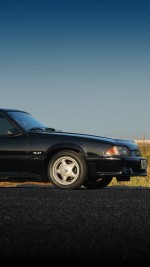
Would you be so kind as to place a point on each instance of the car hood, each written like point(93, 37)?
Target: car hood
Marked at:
point(132, 145)
point(69, 135)
point(87, 137)
point(129, 143)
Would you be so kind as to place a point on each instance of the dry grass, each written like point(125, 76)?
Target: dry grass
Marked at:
point(24, 183)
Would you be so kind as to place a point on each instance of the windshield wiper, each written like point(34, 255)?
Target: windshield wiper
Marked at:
point(37, 129)
point(49, 129)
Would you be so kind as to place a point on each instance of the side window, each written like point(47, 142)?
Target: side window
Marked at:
point(5, 125)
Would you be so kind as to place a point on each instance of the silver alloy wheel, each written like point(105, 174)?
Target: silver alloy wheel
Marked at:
point(66, 170)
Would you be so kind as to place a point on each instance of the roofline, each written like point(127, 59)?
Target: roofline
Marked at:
point(11, 110)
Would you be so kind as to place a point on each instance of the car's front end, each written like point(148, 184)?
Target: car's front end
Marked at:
point(122, 160)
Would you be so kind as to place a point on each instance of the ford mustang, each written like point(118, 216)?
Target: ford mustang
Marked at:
point(28, 148)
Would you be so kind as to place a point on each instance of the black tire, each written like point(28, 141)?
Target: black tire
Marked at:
point(98, 184)
point(67, 170)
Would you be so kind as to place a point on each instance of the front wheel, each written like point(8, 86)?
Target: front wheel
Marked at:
point(67, 170)
point(98, 184)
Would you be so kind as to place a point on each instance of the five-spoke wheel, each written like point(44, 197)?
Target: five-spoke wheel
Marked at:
point(67, 170)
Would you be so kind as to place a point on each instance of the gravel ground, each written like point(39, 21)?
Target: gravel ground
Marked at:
point(40, 224)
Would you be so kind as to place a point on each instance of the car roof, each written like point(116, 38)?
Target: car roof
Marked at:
point(11, 110)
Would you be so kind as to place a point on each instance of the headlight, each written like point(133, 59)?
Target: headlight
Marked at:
point(118, 151)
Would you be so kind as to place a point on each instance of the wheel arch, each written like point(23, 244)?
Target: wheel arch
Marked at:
point(61, 147)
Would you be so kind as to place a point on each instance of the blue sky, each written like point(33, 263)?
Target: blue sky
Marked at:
point(78, 66)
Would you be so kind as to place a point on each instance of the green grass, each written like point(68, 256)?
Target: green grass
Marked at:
point(138, 181)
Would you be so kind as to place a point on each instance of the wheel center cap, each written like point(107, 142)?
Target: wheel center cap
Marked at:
point(65, 169)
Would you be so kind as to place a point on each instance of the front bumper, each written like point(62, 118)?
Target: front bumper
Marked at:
point(117, 167)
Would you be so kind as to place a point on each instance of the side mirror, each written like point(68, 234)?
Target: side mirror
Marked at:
point(13, 132)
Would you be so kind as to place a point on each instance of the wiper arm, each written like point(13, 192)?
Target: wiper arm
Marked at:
point(49, 129)
point(36, 129)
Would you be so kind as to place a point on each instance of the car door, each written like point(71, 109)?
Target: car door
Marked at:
point(14, 148)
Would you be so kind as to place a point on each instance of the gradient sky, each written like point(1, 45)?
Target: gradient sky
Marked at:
point(78, 66)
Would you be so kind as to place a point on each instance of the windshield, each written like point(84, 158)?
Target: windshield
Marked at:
point(25, 120)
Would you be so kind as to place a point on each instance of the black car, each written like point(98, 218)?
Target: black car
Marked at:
point(28, 148)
